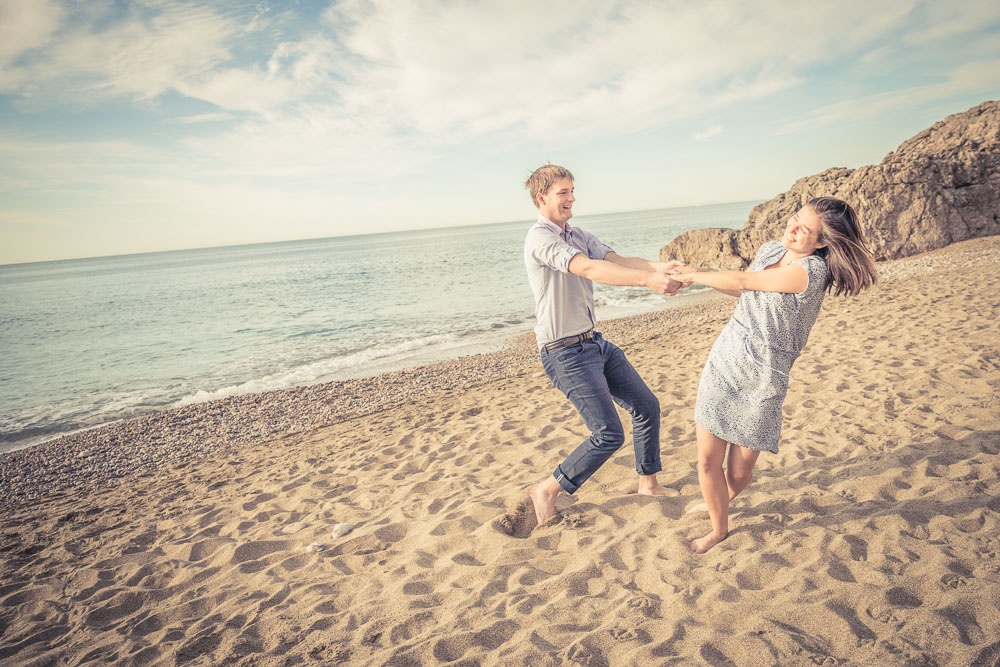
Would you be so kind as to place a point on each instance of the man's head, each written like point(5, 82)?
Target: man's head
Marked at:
point(551, 188)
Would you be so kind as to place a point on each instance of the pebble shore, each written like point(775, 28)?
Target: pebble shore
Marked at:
point(111, 454)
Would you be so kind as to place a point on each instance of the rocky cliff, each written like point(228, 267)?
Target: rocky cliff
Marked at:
point(939, 187)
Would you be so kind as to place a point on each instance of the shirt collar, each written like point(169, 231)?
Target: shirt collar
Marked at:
point(542, 220)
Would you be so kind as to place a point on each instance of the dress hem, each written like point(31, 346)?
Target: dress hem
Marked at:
point(714, 430)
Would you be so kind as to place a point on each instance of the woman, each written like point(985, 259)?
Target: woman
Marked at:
point(745, 379)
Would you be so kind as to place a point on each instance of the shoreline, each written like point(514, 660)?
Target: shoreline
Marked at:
point(102, 455)
point(106, 454)
point(480, 345)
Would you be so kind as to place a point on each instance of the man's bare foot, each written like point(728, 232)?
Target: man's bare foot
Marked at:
point(703, 544)
point(649, 486)
point(543, 497)
point(700, 507)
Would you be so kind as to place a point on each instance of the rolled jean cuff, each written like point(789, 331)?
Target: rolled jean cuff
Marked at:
point(649, 468)
point(564, 481)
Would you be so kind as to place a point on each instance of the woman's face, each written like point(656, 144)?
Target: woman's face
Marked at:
point(802, 232)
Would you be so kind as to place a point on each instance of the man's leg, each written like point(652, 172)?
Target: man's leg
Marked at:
point(578, 372)
point(630, 392)
point(543, 498)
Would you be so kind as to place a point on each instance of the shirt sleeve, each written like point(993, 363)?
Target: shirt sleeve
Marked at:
point(763, 253)
point(595, 249)
point(815, 267)
point(549, 250)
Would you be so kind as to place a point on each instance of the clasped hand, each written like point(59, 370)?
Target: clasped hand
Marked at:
point(670, 283)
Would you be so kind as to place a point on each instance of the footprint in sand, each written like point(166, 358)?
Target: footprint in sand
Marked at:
point(520, 521)
point(952, 580)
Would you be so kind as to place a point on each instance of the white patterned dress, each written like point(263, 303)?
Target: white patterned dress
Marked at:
point(745, 379)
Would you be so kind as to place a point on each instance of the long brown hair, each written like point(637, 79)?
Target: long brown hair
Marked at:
point(849, 262)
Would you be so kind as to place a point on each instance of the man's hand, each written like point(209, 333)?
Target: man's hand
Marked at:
point(669, 271)
point(661, 283)
point(681, 272)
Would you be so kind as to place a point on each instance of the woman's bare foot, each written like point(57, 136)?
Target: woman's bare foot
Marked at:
point(703, 544)
point(700, 507)
point(649, 486)
point(543, 497)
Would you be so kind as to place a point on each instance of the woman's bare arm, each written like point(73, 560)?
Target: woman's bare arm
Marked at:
point(790, 279)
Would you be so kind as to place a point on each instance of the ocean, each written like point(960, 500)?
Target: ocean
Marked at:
point(91, 341)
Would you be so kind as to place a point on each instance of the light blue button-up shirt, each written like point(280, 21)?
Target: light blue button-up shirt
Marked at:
point(564, 301)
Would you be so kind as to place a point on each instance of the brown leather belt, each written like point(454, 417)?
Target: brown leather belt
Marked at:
point(572, 340)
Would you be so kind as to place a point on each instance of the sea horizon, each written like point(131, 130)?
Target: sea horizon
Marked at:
point(752, 202)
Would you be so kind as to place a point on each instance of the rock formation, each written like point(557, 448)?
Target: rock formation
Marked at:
point(939, 187)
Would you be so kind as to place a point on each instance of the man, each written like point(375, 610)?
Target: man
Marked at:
point(594, 374)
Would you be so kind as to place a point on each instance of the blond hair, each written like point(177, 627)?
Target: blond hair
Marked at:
point(541, 180)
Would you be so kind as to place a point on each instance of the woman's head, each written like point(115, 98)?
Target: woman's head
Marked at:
point(841, 243)
point(802, 233)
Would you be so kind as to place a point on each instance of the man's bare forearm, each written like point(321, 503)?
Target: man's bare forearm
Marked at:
point(642, 264)
point(637, 263)
point(611, 273)
point(614, 273)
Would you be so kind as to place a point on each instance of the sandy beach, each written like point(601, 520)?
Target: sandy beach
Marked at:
point(186, 537)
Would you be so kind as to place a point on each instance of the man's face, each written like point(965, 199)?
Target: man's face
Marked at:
point(557, 203)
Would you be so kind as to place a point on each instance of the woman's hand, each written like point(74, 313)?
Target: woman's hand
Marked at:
point(684, 277)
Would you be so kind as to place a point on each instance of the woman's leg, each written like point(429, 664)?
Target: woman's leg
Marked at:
point(739, 469)
point(739, 472)
point(714, 488)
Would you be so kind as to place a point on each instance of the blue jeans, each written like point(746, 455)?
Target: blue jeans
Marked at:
point(595, 375)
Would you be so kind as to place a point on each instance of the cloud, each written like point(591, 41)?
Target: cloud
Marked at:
point(939, 21)
point(206, 118)
point(384, 85)
point(367, 91)
point(151, 49)
point(431, 74)
point(403, 79)
point(26, 25)
point(79, 167)
point(707, 134)
point(979, 77)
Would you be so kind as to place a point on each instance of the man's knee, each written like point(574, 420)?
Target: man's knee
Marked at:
point(609, 437)
point(647, 408)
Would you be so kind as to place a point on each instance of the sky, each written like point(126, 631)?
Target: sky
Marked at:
point(157, 125)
